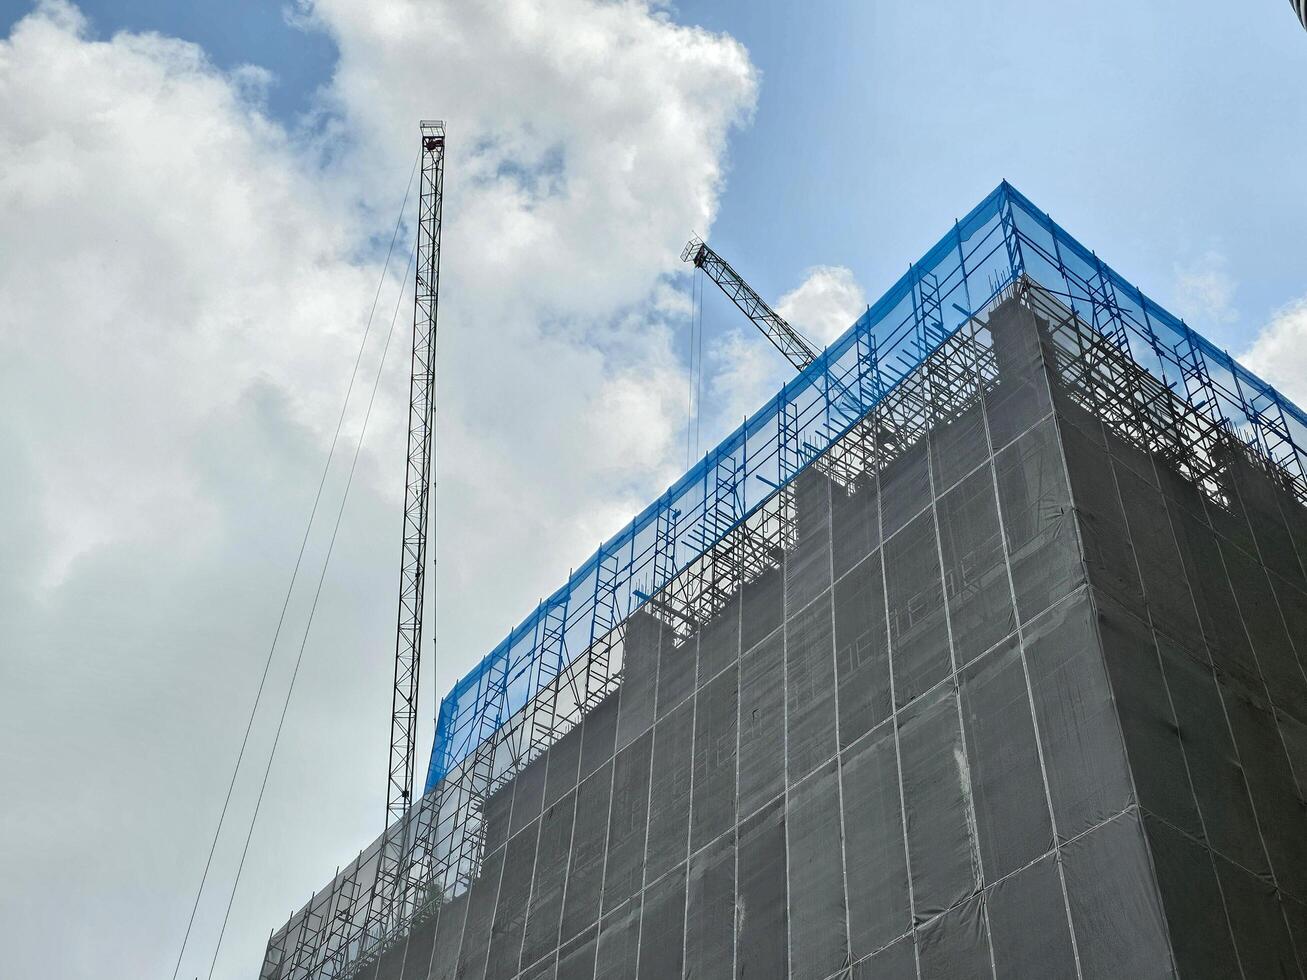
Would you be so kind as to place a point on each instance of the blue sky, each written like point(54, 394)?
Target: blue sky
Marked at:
point(1168, 136)
point(233, 32)
point(1156, 132)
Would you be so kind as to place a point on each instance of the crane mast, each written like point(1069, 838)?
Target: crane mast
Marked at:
point(392, 873)
point(798, 349)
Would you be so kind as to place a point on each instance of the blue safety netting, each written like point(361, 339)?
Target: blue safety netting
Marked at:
point(1003, 238)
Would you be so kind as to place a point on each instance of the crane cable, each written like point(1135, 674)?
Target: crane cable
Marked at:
point(312, 610)
point(698, 395)
point(692, 408)
point(290, 588)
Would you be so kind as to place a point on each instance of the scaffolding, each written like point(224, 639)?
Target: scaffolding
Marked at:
point(919, 358)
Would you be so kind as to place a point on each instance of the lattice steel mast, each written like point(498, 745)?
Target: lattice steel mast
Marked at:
point(392, 872)
point(798, 349)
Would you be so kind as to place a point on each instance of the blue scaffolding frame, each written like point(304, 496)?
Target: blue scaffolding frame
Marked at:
point(1002, 240)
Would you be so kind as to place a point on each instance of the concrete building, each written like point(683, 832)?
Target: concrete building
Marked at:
point(1010, 683)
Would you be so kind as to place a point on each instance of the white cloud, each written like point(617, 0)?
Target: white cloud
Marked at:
point(1204, 291)
point(825, 304)
point(566, 209)
point(1279, 354)
point(746, 370)
point(183, 288)
point(166, 249)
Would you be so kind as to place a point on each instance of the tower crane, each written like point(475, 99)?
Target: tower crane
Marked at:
point(798, 349)
point(392, 883)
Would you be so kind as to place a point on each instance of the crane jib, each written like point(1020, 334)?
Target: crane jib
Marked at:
point(798, 350)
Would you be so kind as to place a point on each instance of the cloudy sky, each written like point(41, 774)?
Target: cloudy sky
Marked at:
point(195, 205)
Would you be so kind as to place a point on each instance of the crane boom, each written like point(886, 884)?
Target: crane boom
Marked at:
point(798, 349)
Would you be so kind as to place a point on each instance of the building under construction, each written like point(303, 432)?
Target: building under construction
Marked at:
point(978, 651)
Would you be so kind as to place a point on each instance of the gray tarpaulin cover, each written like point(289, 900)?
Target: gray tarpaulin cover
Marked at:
point(1022, 703)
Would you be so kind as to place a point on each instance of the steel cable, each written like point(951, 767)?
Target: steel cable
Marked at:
point(326, 561)
point(698, 396)
point(290, 588)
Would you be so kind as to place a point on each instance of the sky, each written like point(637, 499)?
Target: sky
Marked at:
point(198, 200)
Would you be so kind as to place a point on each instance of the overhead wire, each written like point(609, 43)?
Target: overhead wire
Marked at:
point(299, 558)
point(349, 480)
